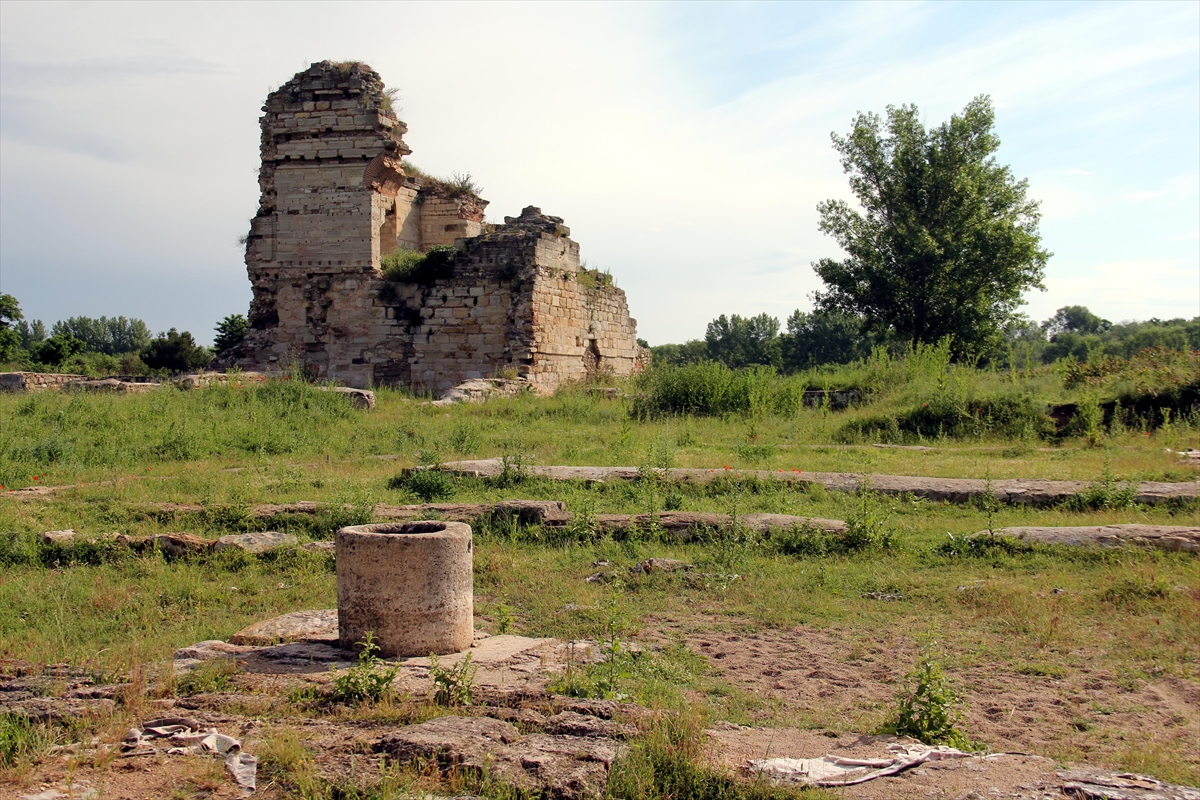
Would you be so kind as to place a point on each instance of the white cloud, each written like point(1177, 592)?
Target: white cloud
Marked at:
point(130, 135)
point(1126, 289)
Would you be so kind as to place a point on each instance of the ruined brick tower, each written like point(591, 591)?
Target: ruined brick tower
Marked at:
point(336, 198)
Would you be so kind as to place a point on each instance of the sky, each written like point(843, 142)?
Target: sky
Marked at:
point(686, 145)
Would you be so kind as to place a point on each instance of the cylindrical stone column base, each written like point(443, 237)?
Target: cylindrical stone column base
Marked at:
point(409, 584)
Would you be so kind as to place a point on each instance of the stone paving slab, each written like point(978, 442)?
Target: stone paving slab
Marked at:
point(1017, 491)
point(1167, 537)
point(312, 626)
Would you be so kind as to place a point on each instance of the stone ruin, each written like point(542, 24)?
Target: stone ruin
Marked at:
point(337, 198)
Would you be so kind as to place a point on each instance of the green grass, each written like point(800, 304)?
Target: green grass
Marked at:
point(1039, 612)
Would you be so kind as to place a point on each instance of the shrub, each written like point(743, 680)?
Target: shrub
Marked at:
point(412, 266)
point(931, 710)
point(453, 685)
point(59, 348)
point(427, 484)
point(367, 680)
point(882, 429)
point(712, 389)
point(1013, 416)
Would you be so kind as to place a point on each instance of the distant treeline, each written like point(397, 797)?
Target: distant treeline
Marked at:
point(830, 337)
point(106, 345)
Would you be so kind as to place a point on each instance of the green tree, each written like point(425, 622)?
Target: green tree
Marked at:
point(59, 348)
point(175, 351)
point(110, 335)
point(230, 332)
point(946, 242)
point(10, 333)
point(743, 341)
point(823, 337)
point(1075, 319)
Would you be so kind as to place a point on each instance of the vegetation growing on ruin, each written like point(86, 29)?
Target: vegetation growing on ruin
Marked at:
point(459, 184)
point(414, 266)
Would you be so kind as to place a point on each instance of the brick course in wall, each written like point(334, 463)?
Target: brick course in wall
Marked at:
point(335, 199)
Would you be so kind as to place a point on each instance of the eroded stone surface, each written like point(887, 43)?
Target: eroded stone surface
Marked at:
point(562, 766)
point(297, 626)
point(1166, 537)
point(258, 542)
point(1018, 491)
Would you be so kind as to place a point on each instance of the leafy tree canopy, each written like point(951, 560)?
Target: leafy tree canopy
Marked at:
point(10, 337)
point(230, 332)
point(175, 351)
point(59, 348)
point(1075, 319)
point(946, 241)
point(823, 337)
point(742, 341)
point(109, 335)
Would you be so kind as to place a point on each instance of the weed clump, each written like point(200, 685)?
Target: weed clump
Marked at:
point(427, 484)
point(22, 740)
point(366, 681)
point(930, 710)
point(452, 685)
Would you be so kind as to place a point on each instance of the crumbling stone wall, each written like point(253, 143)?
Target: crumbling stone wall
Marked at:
point(335, 198)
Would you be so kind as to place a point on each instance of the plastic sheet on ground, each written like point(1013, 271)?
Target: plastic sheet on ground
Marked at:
point(840, 771)
point(186, 736)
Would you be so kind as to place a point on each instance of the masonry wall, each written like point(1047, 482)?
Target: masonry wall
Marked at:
point(335, 199)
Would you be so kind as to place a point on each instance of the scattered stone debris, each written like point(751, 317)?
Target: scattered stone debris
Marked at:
point(58, 537)
point(1017, 491)
point(1166, 537)
point(1087, 784)
point(326, 547)
point(837, 398)
point(881, 596)
point(481, 389)
point(662, 565)
point(174, 545)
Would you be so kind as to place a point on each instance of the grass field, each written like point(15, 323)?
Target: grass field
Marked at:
point(1101, 647)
